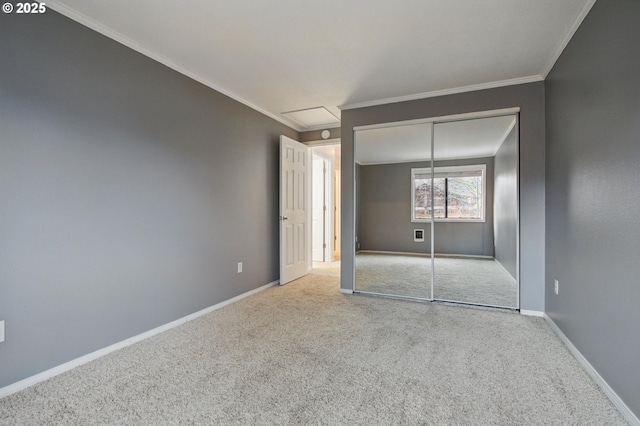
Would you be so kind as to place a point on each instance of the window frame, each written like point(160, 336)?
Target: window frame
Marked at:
point(449, 169)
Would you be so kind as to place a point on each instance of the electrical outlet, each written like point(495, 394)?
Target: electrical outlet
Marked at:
point(2, 331)
point(555, 286)
point(239, 267)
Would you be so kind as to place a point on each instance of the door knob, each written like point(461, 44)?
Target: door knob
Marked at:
point(284, 218)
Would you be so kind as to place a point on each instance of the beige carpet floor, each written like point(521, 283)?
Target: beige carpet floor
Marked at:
point(306, 354)
point(468, 280)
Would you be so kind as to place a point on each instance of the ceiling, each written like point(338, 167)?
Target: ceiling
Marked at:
point(473, 138)
point(281, 56)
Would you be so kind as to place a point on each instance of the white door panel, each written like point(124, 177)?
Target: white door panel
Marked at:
point(295, 210)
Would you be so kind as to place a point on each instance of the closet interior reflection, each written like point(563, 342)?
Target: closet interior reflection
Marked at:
point(437, 210)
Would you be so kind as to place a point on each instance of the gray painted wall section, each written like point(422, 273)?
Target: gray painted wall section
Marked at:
point(505, 208)
point(316, 135)
point(593, 230)
point(385, 214)
point(129, 193)
point(530, 99)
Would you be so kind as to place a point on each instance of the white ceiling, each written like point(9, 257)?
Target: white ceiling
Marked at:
point(288, 55)
point(412, 142)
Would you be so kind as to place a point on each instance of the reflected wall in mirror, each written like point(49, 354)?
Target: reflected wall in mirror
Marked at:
point(469, 251)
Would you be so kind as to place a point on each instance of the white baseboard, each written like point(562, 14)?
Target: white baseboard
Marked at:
point(613, 396)
point(346, 291)
point(45, 375)
point(394, 253)
point(464, 256)
point(525, 312)
point(408, 253)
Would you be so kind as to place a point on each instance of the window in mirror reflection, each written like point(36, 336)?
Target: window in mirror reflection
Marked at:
point(458, 193)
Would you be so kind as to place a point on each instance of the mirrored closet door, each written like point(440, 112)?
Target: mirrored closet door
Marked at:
point(437, 210)
point(475, 208)
point(393, 254)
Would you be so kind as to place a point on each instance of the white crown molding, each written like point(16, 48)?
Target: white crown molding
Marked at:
point(126, 41)
point(452, 91)
point(567, 38)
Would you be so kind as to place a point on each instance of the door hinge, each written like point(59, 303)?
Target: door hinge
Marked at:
point(324, 245)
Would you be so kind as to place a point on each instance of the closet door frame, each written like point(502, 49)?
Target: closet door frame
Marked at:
point(434, 121)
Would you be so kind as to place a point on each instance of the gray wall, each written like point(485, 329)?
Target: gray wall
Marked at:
point(385, 214)
point(505, 208)
point(316, 135)
point(530, 99)
point(129, 193)
point(593, 200)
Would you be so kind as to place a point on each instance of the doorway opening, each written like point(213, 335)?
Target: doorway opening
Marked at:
point(325, 191)
point(298, 220)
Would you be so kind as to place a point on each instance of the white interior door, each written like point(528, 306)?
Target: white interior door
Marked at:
point(295, 210)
